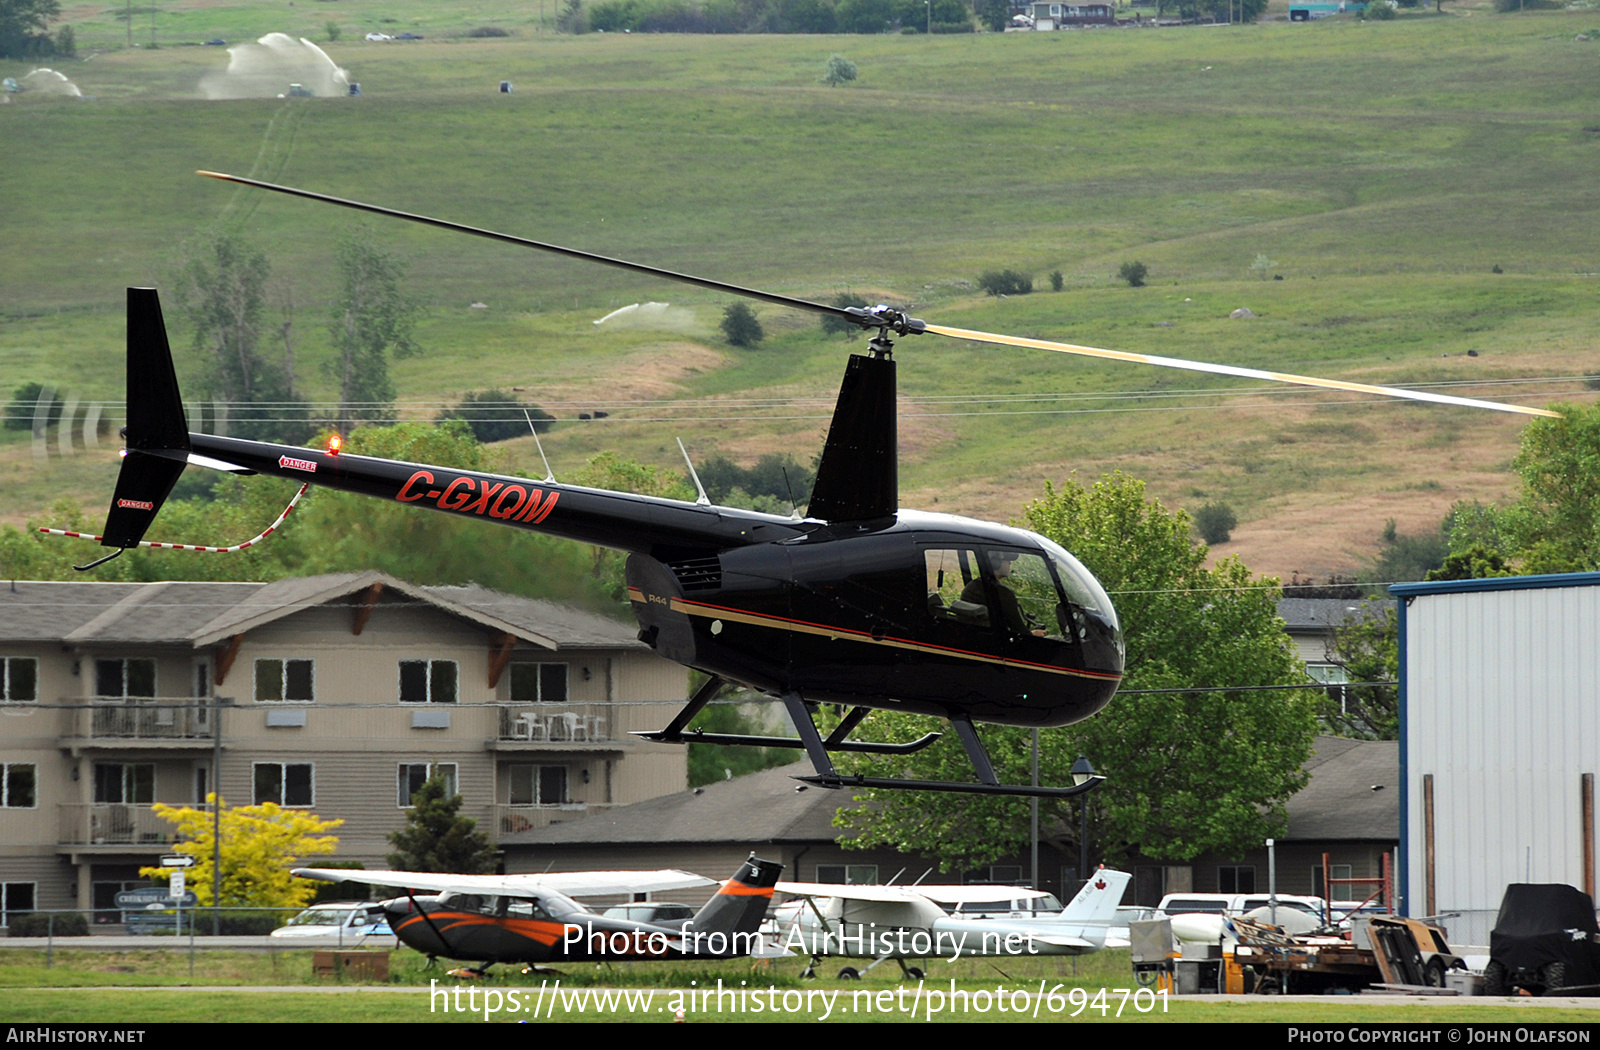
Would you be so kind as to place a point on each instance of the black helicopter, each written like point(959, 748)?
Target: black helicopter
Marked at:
point(860, 603)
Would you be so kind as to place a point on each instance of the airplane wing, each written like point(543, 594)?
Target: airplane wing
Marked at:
point(569, 883)
point(888, 894)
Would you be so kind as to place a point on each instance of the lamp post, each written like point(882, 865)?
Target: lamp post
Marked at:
point(1082, 773)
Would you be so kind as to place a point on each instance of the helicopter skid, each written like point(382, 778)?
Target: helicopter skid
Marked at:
point(840, 780)
point(695, 736)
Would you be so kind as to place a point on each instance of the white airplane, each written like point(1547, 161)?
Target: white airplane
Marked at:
point(908, 922)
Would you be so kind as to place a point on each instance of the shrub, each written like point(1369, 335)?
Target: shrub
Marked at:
point(240, 923)
point(1215, 522)
point(333, 31)
point(35, 925)
point(1056, 280)
point(24, 402)
point(1134, 273)
point(739, 324)
point(838, 325)
point(495, 415)
point(1005, 282)
point(838, 70)
point(483, 31)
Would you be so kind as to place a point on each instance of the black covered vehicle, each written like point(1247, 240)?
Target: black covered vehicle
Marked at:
point(1544, 941)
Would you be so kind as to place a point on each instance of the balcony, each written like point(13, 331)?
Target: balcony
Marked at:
point(114, 824)
point(166, 723)
point(545, 723)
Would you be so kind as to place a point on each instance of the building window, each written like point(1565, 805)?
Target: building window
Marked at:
point(287, 784)
point(537, 786)
point(128, 782)
point(1238, 878)
point(427, 681)
point(291, 680)
point(16, 898)
point(534, 682)
point(413, 775)
point(19, 785)
point(120, 679)
point(848, 874)
point(19, 679)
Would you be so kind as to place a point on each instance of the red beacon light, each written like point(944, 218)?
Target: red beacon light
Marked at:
point(335, 443)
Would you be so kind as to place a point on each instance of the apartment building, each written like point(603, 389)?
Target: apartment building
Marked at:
point(339, 694)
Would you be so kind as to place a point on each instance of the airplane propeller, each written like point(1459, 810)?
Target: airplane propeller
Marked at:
point(889, 319)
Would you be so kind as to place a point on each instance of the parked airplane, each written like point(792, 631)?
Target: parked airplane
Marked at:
point(908, 922)
point(533, 919)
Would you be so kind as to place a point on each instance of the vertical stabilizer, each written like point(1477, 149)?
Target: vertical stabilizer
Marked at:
point(157, 434)
point(742, 902)
point(1096, 904)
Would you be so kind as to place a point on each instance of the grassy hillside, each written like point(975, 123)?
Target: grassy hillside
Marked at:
point(1383, 169)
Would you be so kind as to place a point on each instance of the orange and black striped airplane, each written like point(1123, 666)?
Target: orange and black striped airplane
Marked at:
point(534, 919)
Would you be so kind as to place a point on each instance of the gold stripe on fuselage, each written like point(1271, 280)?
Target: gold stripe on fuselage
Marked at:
point(782, 623)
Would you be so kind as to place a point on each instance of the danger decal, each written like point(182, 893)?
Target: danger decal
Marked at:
point(500, 500)
point(136, 504)
point(290, 463)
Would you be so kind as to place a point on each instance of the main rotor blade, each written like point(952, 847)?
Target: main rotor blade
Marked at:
point(574, 253)
point(1234, 370)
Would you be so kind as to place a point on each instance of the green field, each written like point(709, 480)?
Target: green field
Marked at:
point(1383, 169)
point(148, 986)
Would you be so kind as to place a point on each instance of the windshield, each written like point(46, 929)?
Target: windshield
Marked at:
point(321, 917)
point(1081, 586)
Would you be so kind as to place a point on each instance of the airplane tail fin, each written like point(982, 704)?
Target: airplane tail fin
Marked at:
point(1097, 902)
point(157, 434)
point(742, 902)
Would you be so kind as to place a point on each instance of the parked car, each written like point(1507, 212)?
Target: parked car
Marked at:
point(349, 922)
point(1545, 939)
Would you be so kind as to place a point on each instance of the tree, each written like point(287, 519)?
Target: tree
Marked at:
point(1367, 648)
point(1555, 525)
point(373, 318)
point(1215, 522)
point(995, 14)
point(495, 415)
point(1005, 282)
point(1187, 771)
point(437, 837)
point(260, 844)
point(24, 407)
point(223, 292)
point(740, 326)
point(1134, 273)
point(224, 295)
point(838, 70)
point(22, 27)
point(709, 763)
point(835, 325)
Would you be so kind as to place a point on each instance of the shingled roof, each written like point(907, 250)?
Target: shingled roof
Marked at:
point(764, 807)
point(202, 614)
point(1354, 794)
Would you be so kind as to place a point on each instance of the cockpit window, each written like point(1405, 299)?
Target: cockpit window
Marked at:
point(1083, 590)
point(1028, 595)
